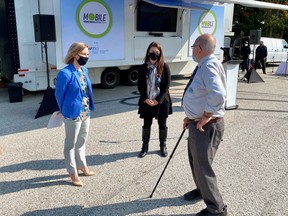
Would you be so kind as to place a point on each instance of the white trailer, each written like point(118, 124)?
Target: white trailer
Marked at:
point(118, 48)
point(117, 34)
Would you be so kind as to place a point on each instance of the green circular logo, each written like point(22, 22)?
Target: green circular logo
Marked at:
point(207, 23)
point(94, 18)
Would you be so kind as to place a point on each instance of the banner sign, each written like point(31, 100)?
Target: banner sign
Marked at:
point(98, 23)
point(207, 21)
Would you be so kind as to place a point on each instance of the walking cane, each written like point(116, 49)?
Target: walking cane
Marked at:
point(167, 162)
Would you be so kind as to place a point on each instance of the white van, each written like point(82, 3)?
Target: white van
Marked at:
point(277, 49)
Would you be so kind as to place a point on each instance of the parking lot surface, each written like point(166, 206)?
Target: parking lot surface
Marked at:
point(251, 164)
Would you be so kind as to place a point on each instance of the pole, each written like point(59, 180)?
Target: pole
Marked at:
point(286, 65)
point(273, 62)
point(253, 56)
point(47, 65)
point(167, 162)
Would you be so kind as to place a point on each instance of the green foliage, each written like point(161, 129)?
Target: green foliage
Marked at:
point(273, 23)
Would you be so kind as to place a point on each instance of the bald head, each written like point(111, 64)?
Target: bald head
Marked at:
point(207, 42)
point(203, 46)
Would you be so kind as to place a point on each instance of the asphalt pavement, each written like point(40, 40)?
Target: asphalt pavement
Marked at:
point(251, 164)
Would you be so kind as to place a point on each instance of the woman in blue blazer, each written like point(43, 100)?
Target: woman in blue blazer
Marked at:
point(75, 100)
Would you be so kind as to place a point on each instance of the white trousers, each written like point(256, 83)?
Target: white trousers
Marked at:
point(74, 146)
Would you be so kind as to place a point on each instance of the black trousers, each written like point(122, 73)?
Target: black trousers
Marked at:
point(263, 64)
point(148, 122)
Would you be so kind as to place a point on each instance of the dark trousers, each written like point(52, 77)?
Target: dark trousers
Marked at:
point(202, 147)
point(148, 122)
point(245, 64)
point(263, 64)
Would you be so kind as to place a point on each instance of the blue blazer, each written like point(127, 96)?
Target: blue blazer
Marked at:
point(69, 93)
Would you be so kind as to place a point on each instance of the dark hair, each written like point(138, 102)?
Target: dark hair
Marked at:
point(161, 57)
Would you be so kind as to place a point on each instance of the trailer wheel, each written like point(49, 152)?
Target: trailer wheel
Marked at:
point(132, 76)
point(110, 78)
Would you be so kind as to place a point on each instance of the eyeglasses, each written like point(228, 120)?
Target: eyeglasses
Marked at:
point(195, 45)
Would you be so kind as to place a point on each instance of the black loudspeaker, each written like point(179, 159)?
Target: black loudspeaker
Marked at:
point(44, 28)
point(255, 36)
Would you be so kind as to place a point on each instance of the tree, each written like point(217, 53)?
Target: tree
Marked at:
point(273, 23)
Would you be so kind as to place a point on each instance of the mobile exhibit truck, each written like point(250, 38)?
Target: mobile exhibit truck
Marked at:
point(117, 32)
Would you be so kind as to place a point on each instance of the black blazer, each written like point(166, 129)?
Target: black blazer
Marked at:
point(164, 108)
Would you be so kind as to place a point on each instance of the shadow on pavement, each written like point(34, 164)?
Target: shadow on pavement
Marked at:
point(19, 117)
point(55, 164)
point(119, 209)
point(38, 182)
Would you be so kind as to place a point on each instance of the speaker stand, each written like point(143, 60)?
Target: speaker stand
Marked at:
point(47, 65)
point(253, 76)
point(49, 103)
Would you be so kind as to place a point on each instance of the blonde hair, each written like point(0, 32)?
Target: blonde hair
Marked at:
point(74, 49)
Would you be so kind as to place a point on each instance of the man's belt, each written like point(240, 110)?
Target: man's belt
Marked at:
point(213, 120)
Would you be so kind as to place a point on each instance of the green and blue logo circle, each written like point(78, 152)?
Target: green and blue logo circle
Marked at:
point(207, 23)
point(94, 18)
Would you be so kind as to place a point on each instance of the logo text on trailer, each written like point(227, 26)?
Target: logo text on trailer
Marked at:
point(94, 18)
point(207, 23)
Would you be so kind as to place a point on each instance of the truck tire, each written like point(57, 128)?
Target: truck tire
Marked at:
point(110, 78)
point(132, 76)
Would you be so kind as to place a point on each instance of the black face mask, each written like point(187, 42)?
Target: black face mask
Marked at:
point(82, 60)
point(154, 56)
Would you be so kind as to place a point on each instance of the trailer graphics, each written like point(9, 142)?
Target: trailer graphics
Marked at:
point(94, 18)
point(92, 22)
point(208, 21)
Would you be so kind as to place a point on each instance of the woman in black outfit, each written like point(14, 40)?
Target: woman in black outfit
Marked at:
point(154, 102)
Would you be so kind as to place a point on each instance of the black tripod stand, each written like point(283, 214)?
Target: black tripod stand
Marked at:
point(49, 103)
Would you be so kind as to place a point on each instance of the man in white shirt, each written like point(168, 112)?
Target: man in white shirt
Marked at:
point(203, 102)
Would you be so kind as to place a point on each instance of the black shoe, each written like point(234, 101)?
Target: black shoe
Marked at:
point(163, 151)
point(205, 212)
point(192, 195)
point(142, 153)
